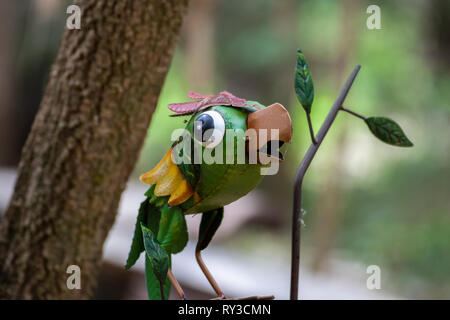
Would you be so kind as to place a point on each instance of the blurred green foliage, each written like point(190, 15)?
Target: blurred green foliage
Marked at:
point(401, 222)
point(395, 206)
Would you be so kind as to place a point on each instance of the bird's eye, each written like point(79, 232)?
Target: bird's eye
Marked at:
point(209, 128)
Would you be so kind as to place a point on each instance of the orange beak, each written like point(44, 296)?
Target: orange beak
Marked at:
point(276, 122)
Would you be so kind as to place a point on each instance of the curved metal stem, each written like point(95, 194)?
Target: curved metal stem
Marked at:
point(304, 165)
point(311, 130)
point(208, 275)
point(176, 285)
point(353, 113)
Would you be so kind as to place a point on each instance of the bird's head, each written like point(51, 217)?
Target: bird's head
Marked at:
point(229, 144)
point(236, 131)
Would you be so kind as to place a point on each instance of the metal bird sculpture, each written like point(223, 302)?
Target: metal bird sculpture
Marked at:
point(181, 184)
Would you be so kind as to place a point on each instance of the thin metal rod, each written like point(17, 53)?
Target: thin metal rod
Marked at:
point(304, 165)
point(208, 275)
point(161, 289)
point(176, 285)
point(311, 130)
point(353, 113)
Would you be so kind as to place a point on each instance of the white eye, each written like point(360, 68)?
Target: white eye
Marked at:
point(209, 128)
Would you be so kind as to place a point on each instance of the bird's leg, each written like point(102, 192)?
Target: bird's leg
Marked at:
point(208, 275)
point(176, 285)
point(208, 226)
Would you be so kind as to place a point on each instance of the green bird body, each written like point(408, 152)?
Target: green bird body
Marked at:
point(219, 184)
point(181, 186)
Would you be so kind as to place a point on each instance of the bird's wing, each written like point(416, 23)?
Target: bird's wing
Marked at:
point(169, 181)
point(211, 221)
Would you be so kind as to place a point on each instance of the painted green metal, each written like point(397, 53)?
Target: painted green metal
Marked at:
point(219, 184)
point(215, 185)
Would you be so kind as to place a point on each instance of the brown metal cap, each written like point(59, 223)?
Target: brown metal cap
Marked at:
point(274, 116)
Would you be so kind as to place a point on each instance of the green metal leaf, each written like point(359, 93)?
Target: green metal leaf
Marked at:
point(388, 131)
point(153, 287)
point(150, 215)
point(303, 84)
point(158, 257)
point(211, 221)
point(153, 219)
point(137, 245)
point(172, 233)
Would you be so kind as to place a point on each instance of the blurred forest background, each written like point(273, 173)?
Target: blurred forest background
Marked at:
point(365, 201)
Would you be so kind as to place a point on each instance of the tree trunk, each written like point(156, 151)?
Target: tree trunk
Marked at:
point(84, 142)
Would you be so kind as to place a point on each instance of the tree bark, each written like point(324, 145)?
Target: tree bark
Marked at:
point(84, 142)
